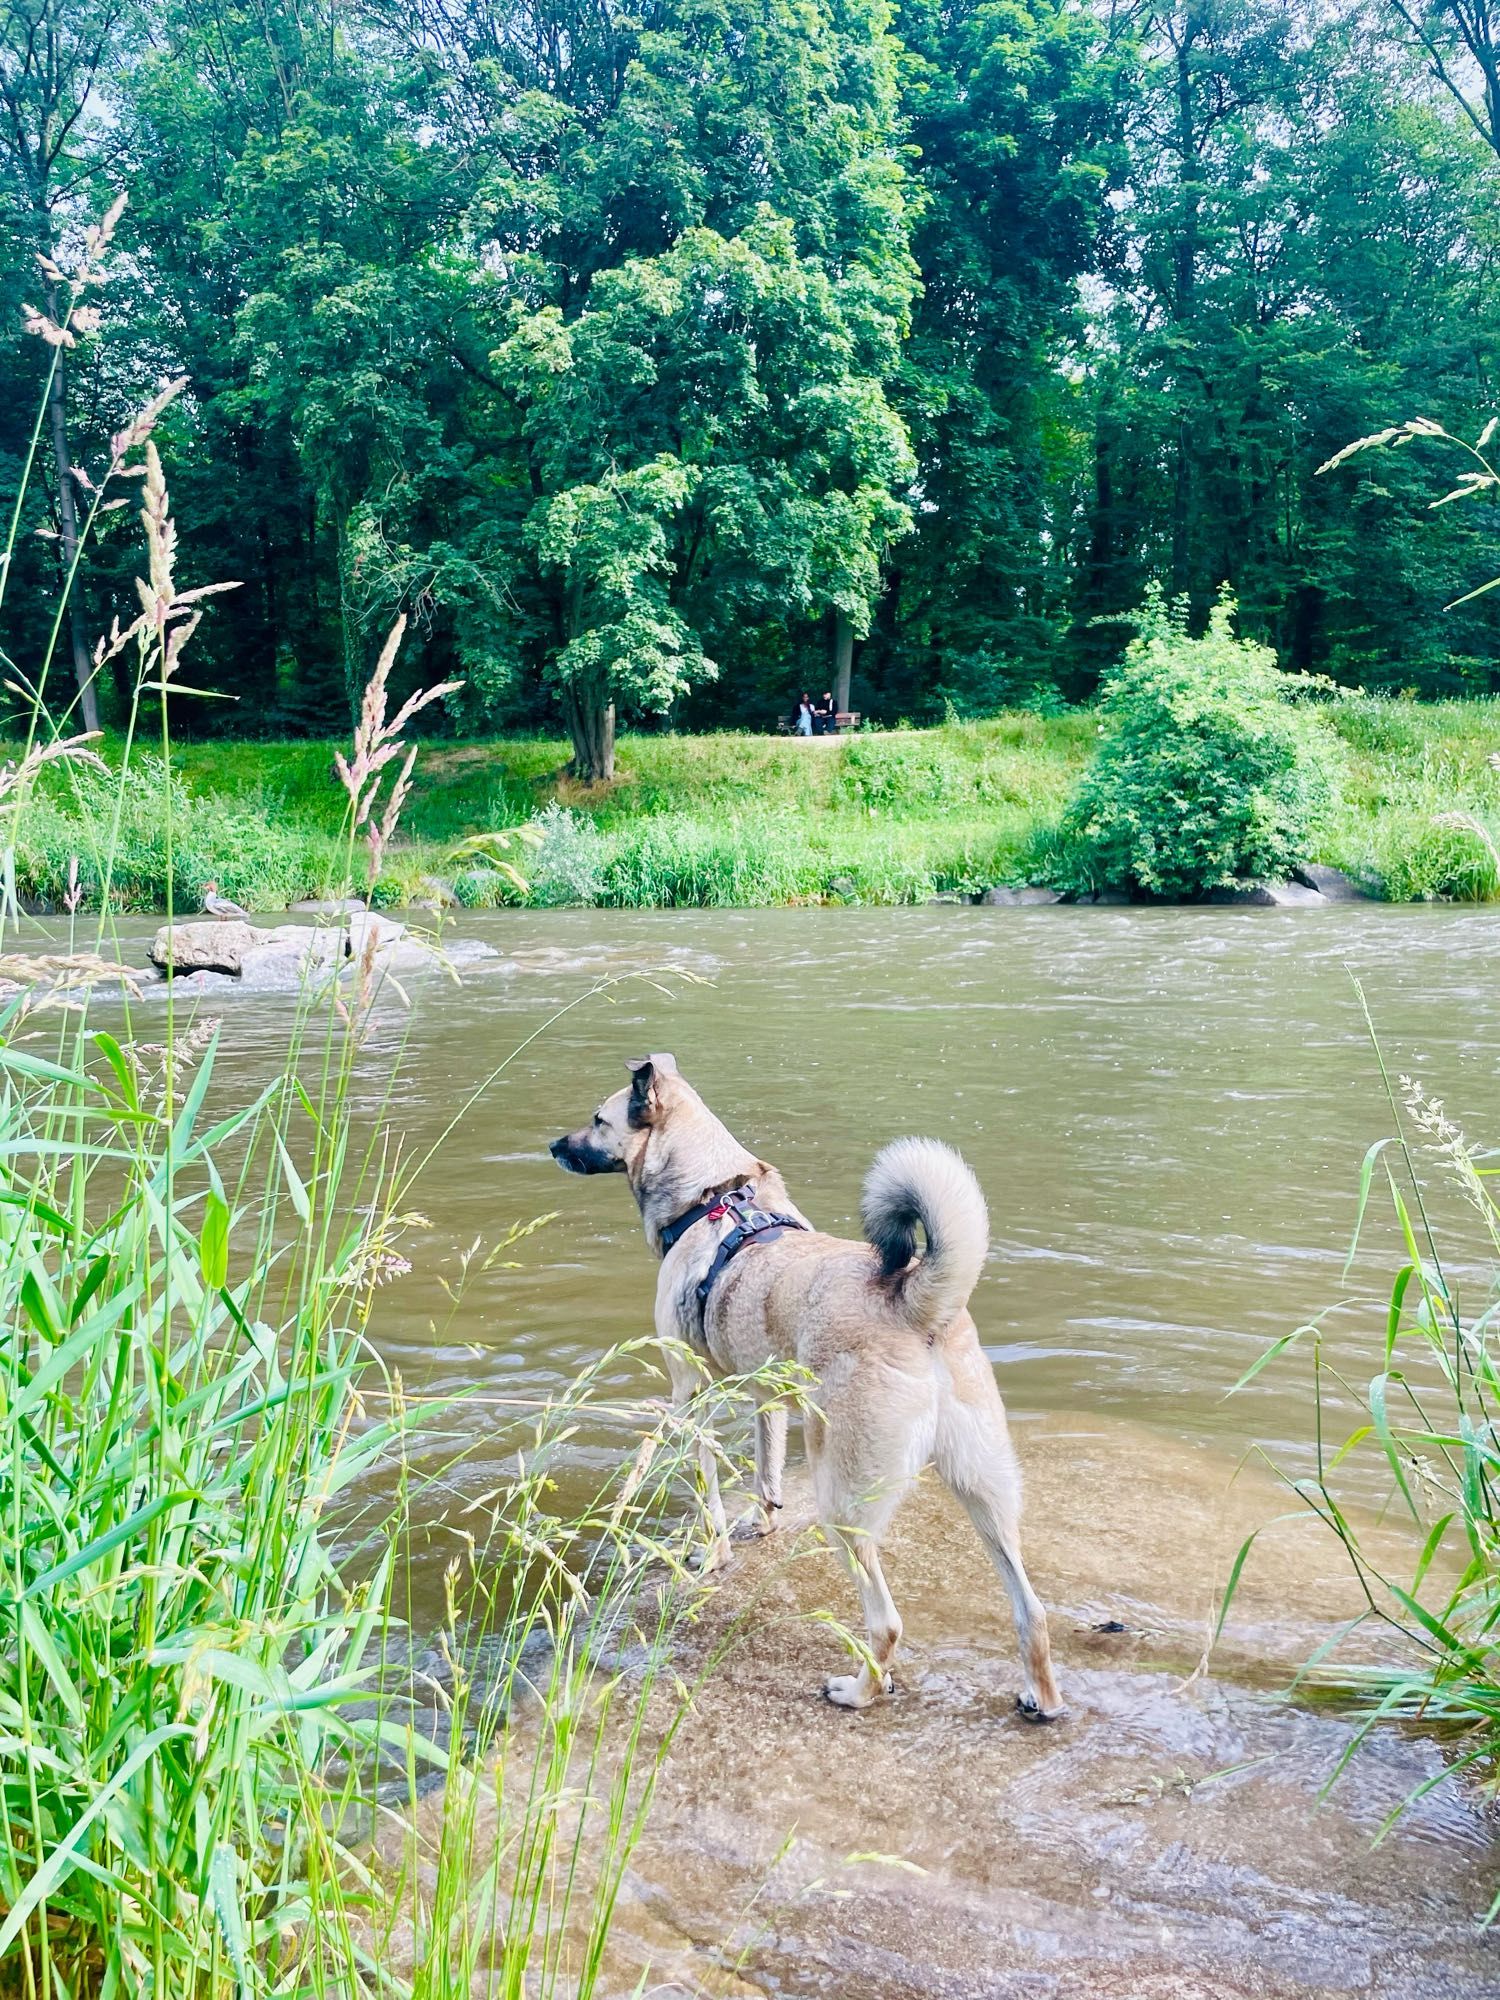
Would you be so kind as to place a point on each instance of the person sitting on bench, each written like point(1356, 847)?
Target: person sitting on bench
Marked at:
point(804, 723)
point(823, 715)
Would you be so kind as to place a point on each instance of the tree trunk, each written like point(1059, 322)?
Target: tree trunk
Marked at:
point(67, 508)
point(1182, 508)
point(843, 661)
point(1184, 300)
point(591, 725)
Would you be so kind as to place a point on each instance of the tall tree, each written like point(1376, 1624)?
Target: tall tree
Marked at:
point(707, 227)
point(1461, 42)
point(57, 58)
point(707, 450)
point(1298, 246)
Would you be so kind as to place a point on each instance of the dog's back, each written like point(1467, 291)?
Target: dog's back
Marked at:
point(811, 1292)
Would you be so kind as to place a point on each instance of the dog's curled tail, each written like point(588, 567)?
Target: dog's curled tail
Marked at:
point(923, 1181)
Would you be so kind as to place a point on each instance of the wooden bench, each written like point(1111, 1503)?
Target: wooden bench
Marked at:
point(845, 720)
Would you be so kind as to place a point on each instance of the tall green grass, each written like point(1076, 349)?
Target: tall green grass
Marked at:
point(1427, 1393)
point(228, 1763)
point(217, 1746)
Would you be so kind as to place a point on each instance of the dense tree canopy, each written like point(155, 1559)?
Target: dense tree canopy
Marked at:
point(662, 359)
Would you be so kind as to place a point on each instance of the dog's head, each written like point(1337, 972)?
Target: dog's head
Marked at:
point(617, 1132)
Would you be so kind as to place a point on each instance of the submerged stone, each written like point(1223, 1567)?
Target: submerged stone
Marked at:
point(1268, 895)
point(1331, 883)
point(1006, 898)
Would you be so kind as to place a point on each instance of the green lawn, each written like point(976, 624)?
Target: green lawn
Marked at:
point(882, 817)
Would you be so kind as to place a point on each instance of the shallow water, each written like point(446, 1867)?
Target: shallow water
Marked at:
point(1168, 1110)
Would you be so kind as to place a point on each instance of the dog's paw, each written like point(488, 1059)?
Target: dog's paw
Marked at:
point(707, 1562)
point(1031, 1710)
point(854, 1690)
point(753, 1526)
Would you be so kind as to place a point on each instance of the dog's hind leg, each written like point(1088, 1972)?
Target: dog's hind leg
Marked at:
point(861, 1557)
point(687, 1381)
point(976, 1461)
point(855, 1511)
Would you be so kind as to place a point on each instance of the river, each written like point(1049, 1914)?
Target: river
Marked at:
point(1167, 1110)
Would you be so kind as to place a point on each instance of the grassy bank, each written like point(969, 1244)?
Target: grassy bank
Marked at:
point(891, 817)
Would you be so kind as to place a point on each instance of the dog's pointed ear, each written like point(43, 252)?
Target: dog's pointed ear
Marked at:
point(667, 1065)
point(645, 1095)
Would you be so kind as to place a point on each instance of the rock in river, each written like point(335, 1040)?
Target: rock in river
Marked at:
point(281, 958)
point(328, 906)
point(1332, 884)
point(1269, 895)
point(209, 946)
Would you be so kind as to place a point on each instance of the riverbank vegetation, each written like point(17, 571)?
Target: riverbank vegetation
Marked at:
point(885, 817)
point(1206, 775)
point(1424, 1387)
point(230, 1766)
point(663, 370)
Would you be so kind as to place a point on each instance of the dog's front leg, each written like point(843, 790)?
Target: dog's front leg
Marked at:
point(687, 1380)
point(770, 1460)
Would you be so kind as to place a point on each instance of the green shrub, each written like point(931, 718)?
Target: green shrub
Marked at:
point(568, 864)
point(1425, 845)
point(482, 889)
point(1205, 774)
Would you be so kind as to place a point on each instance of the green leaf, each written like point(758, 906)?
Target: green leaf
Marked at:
point(1429, 1550)
point(293, 1179)
point(225, 1900)
point(1469, 595)
point(122, 1066)
point(133, 1524)
point(40, 1305)
point(1234, 1579)
point(36, 1635)
point(38, 1066)
point(1393, 1314)
point(1366, 1175)
point(1276, 1348)
point(192, 1104)
point(213, 1243)
point(1388, 1442)
point(42, 1210)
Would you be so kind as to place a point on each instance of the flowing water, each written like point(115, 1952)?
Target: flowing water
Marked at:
point(1168, 1110)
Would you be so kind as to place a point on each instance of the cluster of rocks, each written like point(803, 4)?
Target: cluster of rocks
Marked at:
point(212, 954)
point(1310, 887)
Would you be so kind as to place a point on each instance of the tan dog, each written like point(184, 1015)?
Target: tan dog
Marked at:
point(902, 1381)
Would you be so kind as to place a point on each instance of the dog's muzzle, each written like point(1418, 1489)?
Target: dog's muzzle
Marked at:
point(577, 1156)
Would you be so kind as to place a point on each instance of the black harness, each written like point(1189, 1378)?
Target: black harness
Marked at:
point(752, 1224)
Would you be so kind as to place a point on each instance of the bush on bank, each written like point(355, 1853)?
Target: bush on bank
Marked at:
point(1205, 776)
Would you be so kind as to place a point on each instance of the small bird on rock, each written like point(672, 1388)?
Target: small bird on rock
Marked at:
point(221, 906)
